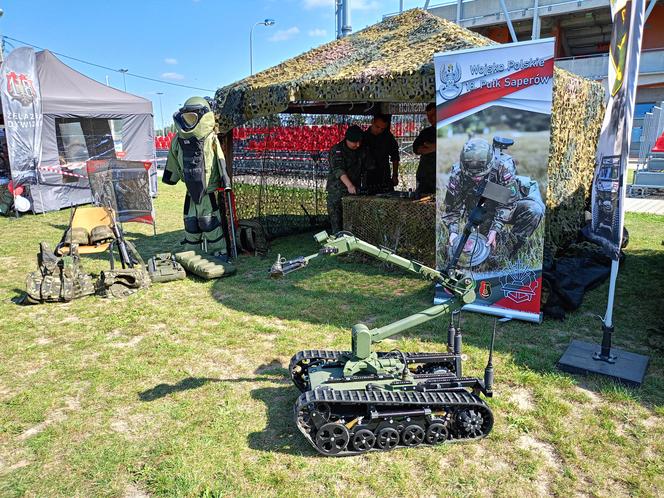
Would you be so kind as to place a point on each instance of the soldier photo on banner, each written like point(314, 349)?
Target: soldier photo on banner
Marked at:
point(493, 126)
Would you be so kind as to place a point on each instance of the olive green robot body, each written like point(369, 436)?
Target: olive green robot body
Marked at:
point(364, 400)
point(196, 158)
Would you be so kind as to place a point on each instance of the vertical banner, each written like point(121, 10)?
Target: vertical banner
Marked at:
point(22, 110)
point(609, 185)
point(493, 126)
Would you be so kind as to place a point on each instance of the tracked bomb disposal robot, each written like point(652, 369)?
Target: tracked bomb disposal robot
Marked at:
point(365, 400)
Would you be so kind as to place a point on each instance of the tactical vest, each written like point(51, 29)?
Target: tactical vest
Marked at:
point(58, 278)
point(193, 167)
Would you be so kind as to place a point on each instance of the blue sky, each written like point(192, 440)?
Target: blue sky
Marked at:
point(200, 43)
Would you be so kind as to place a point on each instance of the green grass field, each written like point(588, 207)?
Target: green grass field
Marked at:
point(183, 389)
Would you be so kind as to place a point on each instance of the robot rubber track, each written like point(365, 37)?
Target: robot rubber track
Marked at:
point(352, 422)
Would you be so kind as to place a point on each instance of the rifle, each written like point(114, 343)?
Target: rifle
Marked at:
point(231, 221)
point(226, 201)
point(129, 257)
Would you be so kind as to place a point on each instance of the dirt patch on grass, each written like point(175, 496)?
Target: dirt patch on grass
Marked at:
point(42, 341)
point(6, 469)
point(113, 334)
point(551, 460)
point(650, 422)
point(6, 393)
point(547, 451)
point(134, 491)
point(593, 398)
point(522, 399)
point(128, 344)
point(132, 426)
point(59, 415)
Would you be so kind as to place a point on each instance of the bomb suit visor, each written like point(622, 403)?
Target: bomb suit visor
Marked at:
point(188, 116)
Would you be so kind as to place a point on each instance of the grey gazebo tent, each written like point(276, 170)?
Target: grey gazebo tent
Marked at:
point(84, 119)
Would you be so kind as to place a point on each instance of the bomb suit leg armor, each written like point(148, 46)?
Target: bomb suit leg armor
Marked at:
point(196, 158)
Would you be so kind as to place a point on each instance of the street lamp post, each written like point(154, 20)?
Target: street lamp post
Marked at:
point(124, 81)
point(161, 111)
point(2, 43)
point(266, 22)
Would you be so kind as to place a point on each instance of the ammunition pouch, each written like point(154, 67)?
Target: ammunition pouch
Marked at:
point(77, 235)
point(122, 283)
point(59, 279)
point(164, 268)
point(252, 237)
point(100, 235)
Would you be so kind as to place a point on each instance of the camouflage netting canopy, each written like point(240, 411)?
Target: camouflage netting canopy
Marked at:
point(391, 61)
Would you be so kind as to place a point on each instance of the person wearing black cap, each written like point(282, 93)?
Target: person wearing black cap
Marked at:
point(347, 164)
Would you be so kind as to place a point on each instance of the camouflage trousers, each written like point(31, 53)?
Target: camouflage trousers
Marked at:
point(202, 222)
point(335, 211)
point(524, 220)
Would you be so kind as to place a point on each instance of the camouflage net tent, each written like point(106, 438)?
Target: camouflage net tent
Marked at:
point(378, 69)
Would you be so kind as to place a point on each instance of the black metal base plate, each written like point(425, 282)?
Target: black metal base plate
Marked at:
point(629, 368)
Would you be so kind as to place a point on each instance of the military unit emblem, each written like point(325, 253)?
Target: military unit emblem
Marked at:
point(519, 284)
point(21, 88)
point(450, 76)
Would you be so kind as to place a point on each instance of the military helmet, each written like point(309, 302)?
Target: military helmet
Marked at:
point(191, 113)
point(476, 157)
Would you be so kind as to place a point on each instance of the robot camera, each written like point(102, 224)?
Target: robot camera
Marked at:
point(502, 143)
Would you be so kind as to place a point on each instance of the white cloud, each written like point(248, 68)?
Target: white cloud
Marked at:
point(284, 34)
point(330, 4)
point(317, 32)
point(170, 60)
point(172, 76)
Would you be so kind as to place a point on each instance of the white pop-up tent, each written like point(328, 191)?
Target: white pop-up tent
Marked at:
point(82, 120)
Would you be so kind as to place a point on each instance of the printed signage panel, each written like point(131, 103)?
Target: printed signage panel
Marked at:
point(493, 108)
point(608, 213)
point(21, 107)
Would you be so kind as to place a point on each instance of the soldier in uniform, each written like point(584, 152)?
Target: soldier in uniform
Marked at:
point(477, 164)
point(197, 159)
point(347, 166)
point(382, 148)
point(425, 147)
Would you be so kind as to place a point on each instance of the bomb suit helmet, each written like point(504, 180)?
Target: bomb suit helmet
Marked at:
point(476, 157)
point(191, 113)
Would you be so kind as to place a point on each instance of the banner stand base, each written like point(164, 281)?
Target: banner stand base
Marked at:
point(627, 368)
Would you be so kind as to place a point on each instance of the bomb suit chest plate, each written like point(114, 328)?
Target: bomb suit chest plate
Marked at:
point(194, 171)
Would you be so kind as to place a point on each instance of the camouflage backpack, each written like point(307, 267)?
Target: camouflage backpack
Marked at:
point(124, 282)
point(58, 279)
point(252, 237)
